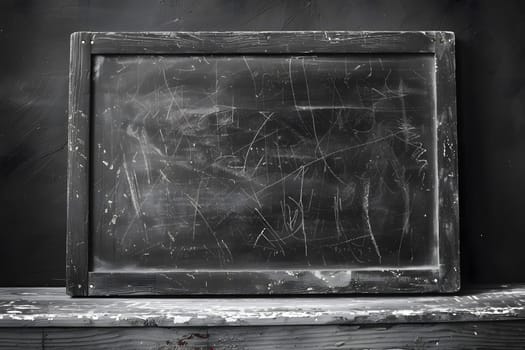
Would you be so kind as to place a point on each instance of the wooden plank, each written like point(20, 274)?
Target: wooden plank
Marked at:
point(447, 159)
point(127, 338)
point(21, 338)
point(263, 282)
point(489, 335)
point(508, 335)
point(78, 165)
point(262, 42)
point(50, 307)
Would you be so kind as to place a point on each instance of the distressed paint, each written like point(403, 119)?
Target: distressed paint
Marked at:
point(50, 307)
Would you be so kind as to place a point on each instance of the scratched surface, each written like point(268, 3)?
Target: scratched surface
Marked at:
point(51, 307)
point(239, 162)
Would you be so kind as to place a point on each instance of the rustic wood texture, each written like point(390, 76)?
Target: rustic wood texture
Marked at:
point(21, 338)
point(370, 279)
point(448, 161)
point(78, 165)
point(480, 335)
point(50, 307)
point(262, 42)
point(262, 282)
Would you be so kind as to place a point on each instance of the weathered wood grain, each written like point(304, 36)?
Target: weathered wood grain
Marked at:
point(508, 335)
point(263, 282)
point(21, 338)
point(78, 165)
point(447, 158)
point(128, 338)
point(262, 42)
point(480, 335)
point(50, 307)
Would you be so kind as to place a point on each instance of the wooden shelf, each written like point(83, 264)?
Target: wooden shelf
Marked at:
point(51, 307)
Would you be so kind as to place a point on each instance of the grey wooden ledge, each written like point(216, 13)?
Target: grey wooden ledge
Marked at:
point(51, 307)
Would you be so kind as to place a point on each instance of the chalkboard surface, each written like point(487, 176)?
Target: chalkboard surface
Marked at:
point(222, 165)
point(263, 162)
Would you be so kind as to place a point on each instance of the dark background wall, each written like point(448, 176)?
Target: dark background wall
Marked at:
point(34, 53)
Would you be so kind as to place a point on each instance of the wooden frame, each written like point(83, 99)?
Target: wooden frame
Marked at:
point(441, 277)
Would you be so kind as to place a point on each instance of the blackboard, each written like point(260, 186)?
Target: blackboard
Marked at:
point(254, 163)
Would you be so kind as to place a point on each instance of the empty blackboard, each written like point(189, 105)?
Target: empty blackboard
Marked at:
point(252, 163)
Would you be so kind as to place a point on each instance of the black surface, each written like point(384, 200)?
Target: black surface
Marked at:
point(212, 162)
point(33, 102)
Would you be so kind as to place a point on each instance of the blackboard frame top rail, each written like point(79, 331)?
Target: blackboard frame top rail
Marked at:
point(262, 32)
point(265, 42)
